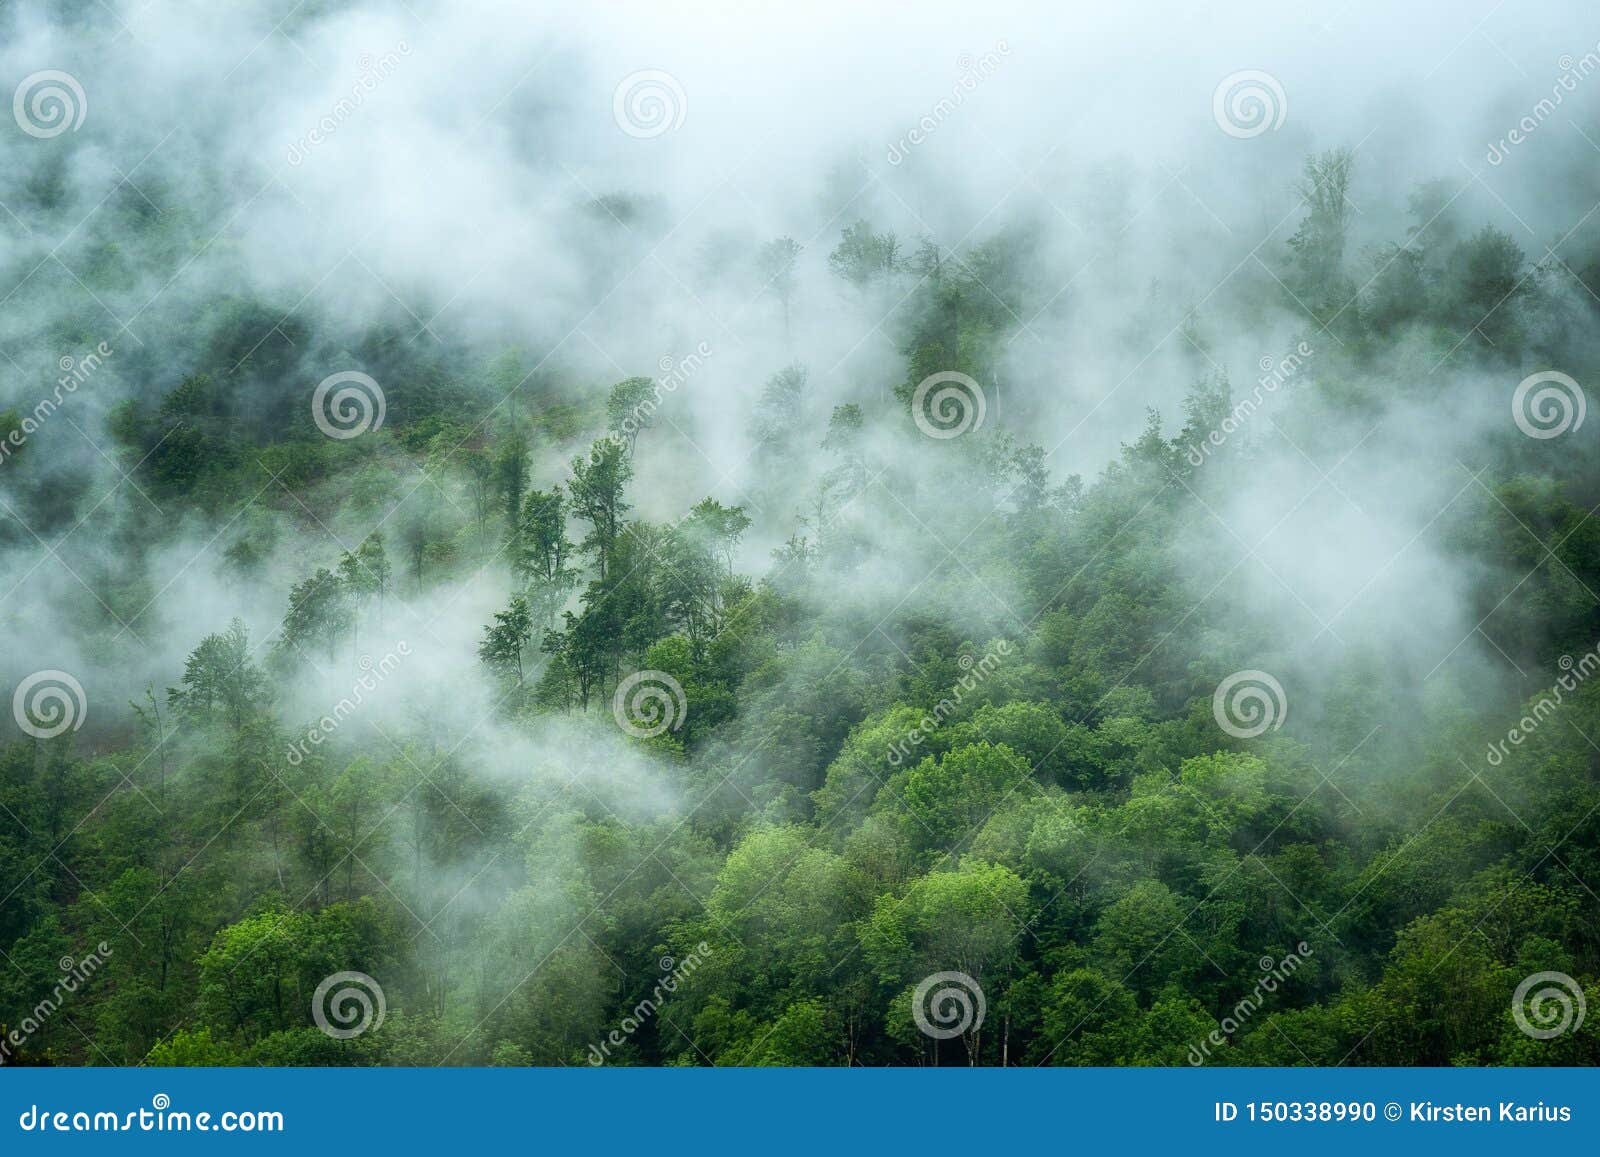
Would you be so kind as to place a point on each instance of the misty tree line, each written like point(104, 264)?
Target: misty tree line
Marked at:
point(1076, 835)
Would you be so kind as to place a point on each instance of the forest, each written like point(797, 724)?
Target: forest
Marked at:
point(396, 689)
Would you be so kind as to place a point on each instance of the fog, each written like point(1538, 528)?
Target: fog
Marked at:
point(482, 216)
point(483, 194)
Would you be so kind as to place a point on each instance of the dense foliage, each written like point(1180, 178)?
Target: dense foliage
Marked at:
point(1008, 768)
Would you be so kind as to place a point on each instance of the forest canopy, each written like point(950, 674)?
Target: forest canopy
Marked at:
point(1088, 629)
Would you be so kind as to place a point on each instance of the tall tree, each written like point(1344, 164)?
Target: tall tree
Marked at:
point(319, 612)
point(719, 527)
point(375, 566)
point(480, 481)
point(629, 408)
point(219, 679)
point(511, 477)
point(599, 479)
point(543, 553)
point(862, 256)
point(1319, 244)
point(778, 410)
point(504, 641)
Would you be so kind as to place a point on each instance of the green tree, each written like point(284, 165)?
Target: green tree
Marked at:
point(969, 921)
point(595, 494)
point(221, 680)
point(862, 256)
point(319, 613)
point(507, 638)
point(629, 407)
